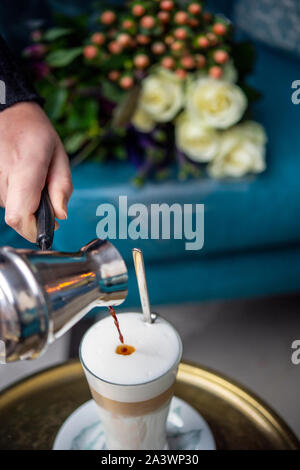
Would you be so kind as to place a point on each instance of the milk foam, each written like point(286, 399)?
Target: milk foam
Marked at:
point(157, 349)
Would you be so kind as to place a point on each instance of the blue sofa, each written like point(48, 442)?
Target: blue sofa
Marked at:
point(252, 226)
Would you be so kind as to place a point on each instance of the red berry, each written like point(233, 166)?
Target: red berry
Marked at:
point(114, 75)
point(219, 28)
point(143, 39)
point(108, 17)
point(98, 38)
point(127, 24)
point(168, 62)
point(203, 42)
point(90, 52)
point(126, 82)
point(115, 47)
point(181, 17)
point(195, 8)
point(141, 61)
point(193, 22)
point(180, 33)
point(124, 39)
point(158, 48)
point(111, 33)
point(188, 62)
point(213, 40)
point(138, 10)
point(164, 16)
point(200, 61)
point(177, 46)
point(148, 22)
point(207, 17)
point(221, 56)
point(169, 40)
point(181, 73)
point(167, 5)
point(215, 72)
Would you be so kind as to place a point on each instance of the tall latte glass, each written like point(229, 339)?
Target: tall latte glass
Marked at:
point(132, 391)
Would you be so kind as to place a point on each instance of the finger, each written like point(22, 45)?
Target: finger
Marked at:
point(3, 188)
point(23, 196)
point(59, 182)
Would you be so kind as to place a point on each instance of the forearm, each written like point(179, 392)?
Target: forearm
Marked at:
point(15, 86)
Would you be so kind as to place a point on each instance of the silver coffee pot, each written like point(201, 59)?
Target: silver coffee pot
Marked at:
point(44, 293)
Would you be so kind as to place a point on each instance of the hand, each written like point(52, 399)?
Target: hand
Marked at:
point(31, 155)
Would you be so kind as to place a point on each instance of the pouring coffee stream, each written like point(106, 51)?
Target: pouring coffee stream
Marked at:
point(139, 265)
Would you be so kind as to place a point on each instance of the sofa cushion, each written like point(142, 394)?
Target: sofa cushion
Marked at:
point(275, 22)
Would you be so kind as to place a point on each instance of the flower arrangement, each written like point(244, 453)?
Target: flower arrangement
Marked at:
point(155, 82)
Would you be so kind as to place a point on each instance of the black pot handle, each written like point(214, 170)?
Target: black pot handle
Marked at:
point(45, 222)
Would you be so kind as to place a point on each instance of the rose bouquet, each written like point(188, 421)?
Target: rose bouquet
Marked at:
point(156, 83)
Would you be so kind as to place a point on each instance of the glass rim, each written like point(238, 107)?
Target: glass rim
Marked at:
point(176, 363)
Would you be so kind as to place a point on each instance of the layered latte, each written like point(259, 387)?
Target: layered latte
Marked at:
point(132, 388)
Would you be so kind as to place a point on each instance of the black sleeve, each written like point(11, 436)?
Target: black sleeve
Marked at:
point(14, 85)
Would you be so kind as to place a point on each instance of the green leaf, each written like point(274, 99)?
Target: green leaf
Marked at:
point(111, 91)
point(55, 103)
point(82, 115)
point(120, 153)
point(63, 57)
point(115, 62)
point(74, 142)
point(55, 33)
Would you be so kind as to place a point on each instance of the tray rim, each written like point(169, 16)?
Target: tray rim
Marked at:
point(218, 383)
point(244, 395)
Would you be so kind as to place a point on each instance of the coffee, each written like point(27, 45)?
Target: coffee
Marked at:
point(132, 388)
point(116, 321)
point(125, 349)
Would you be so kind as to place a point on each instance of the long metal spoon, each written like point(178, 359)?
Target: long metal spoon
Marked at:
point(139, 265)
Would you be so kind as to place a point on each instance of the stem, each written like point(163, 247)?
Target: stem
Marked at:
point(85, 152)
point(181, 160)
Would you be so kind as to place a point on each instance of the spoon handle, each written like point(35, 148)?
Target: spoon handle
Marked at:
point(139, 265)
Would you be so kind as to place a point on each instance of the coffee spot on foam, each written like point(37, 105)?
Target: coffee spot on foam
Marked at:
point(125, 349)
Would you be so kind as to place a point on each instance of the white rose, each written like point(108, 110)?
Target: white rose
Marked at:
point(218, 103)
point(162, 95)
point(198, 142)
point(143, 121)
point(242, 150)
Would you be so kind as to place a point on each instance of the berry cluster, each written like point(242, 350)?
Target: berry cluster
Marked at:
point(181, 39)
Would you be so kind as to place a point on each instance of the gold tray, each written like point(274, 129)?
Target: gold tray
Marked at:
point(32, 411)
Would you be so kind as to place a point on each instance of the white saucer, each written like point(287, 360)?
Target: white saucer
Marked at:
point(186, 429)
